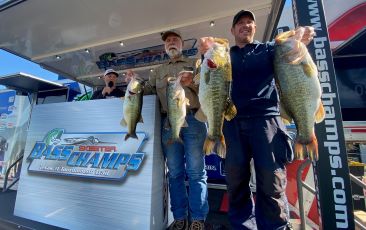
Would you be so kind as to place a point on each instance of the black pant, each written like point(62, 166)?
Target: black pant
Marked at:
point(264, 140)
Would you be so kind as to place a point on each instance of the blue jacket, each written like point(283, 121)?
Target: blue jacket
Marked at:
point(253, 88)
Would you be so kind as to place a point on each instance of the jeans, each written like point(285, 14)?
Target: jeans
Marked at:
point(187, 160)
point(264, 140)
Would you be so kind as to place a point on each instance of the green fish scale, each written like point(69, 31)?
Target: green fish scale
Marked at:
point(299, 96)
point(213, 98)
point(176, 114)
point(132, 110)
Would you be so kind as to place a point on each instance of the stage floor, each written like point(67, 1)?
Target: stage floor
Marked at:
point(217, 219)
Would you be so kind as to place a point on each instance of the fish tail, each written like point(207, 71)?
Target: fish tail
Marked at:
point(312, 148)
point(133, 135)
point(209, 145)
point(299, 150)
point(172, 140)
point(221, 147)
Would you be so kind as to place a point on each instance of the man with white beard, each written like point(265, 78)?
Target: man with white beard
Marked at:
point(184, 160)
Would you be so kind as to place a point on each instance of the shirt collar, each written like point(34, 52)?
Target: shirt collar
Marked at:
point(180, 59)
point(254, 43)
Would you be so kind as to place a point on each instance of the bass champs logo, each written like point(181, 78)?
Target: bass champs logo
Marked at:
point(104, 156)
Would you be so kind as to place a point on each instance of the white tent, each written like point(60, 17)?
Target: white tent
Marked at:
point(68, 37)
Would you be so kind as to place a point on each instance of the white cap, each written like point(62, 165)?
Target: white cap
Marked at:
point(108, 71)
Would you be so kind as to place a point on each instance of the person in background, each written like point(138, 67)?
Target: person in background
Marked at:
point(109, 90)
point(184, 160)
point(256, 132)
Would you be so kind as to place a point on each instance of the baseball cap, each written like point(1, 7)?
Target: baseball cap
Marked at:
point(108, 71)
point(165, 34)
point(241, 14)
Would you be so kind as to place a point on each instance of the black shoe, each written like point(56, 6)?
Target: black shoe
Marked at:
point(179, 225)
point(197, 225)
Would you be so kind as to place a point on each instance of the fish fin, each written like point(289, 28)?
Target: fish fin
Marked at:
point(312, 148)
point(320, 113)
point(180, 103)
point(222, 41)
point(285, 121)
point(282, 37)
point(230, 111)
point(141, 120)
point(198, 63)
point(299, 150)
point(196, 79)
point(209, 145)
point(172, 140)
point(229, 76)
point(185, 124)
point(200, 116)
point(133, 135)
point(285, 115)
point(123, 123)
point(187, 101)
point(221, 147)
point(207, 77)
point(166, 124)
point(310, 69)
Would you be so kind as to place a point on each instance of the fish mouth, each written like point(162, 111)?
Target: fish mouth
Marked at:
point(211, 64)
point(282, 37)
point(131, 93)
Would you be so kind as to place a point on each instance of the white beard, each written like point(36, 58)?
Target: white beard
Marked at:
point(174, 52)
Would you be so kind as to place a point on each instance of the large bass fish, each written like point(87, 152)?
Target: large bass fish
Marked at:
point(214, 94)
point(300, 90)
point(132, 106)
point(177, 103)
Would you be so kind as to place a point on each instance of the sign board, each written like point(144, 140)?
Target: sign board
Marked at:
point(79, 172)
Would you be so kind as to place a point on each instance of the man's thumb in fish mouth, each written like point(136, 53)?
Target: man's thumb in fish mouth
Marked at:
point(129, 75)
point(204, 44)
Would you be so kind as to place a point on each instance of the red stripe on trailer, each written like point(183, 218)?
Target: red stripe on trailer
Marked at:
point(310, 201)
point(348, 24)
point(358, 130)
point(313, 212)
point(291, 190)
point(224, 207)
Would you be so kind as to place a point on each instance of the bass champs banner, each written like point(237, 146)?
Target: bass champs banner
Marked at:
point(331, 171)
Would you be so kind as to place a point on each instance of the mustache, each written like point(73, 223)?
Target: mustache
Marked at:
point(172, 47)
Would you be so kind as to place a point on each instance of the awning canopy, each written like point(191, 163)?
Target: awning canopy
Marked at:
point(355, 46)
point(27, 83)
point(80, 39)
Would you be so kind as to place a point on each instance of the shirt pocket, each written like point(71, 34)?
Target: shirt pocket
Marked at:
point(161, 83)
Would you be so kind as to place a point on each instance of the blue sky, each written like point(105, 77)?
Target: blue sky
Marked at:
point(10, 64)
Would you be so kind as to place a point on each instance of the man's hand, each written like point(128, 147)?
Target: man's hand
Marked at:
point(186, 78)
point(204, 44)
point(129, 75)
point(308, 35)
point(106, 90)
